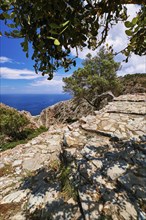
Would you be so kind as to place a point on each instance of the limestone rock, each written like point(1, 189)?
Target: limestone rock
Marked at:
point(17, 163)
point(93, 168)
point(14, 197)
point(117, 170)
point(65, 112)
point(33, 163)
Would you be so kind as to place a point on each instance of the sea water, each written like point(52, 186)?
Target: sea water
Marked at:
point(34, 103)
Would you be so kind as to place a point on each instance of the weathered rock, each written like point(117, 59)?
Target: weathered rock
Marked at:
point(17, 163)
point(33, 163)
point(65, 112)
point(89, 203)
point(117, 170)
point(19, 216)
point(134, 184)
point(105, 174)
point(14, 197)
point(123, 210)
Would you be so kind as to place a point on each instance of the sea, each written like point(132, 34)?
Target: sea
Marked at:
point(33, 103)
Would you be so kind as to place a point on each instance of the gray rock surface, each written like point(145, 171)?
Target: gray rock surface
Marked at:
point(64, 112)
point(91, 169)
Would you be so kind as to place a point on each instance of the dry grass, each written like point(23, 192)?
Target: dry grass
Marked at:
point(6, 170)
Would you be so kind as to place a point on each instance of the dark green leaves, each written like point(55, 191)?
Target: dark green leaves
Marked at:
point(55, 27)
point(131, 24)
point(137, 34)
point(25, 45)
point(128, 24)
point(134, 20)
point(128, 32)
point(12, 25)
point(6, 15)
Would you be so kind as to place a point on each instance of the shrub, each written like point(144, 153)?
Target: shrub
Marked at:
point(12, 123)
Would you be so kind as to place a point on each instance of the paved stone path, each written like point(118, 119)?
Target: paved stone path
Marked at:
point(121, 118)
point(104, 156)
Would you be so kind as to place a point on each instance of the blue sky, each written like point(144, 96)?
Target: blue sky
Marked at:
point(18, 75)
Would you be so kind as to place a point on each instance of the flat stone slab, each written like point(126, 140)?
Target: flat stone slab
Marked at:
point(139, 97)
point(118, 126)
point(127, 107)
point(33, 164)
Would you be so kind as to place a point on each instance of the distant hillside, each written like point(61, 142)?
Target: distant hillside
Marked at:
point(134, 83)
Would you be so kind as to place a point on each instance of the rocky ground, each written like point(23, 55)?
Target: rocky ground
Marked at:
point(64, 112)
point(94, 168)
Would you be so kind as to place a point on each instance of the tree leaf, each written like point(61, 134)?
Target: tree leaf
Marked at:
point(56, 42)
point(134, 20)
point(12, 15)
point(63, 30)
point(6, 15)
point(128, 24)
point(28, 19)
point(25, 45)
point(64, 24)
point(51, 38)
point(128, 32)
point(11, 25)
point(54, 26)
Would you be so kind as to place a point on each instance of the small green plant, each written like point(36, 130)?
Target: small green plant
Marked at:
point(68, 188)
point(55, 165)
point(6, 170)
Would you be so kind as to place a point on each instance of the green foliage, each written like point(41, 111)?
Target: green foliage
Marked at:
point(12, 123)
point(28, 134)
point(55, 27)
point(137, 33)
point(97, 76)
point(68, 189)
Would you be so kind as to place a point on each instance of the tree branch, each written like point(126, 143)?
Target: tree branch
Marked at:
point(138, 2)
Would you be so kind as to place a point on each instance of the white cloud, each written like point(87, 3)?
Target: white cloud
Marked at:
point(5, 60)
point(136, 64)
point(9, 73)
point(82, 53)
point(45, 82)
point(9, 60)
point(51, 86)
point(132, 10)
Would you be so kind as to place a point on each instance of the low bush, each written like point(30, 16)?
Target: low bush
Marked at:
point(28, 134)
point(14, 128)
point(12, 123)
